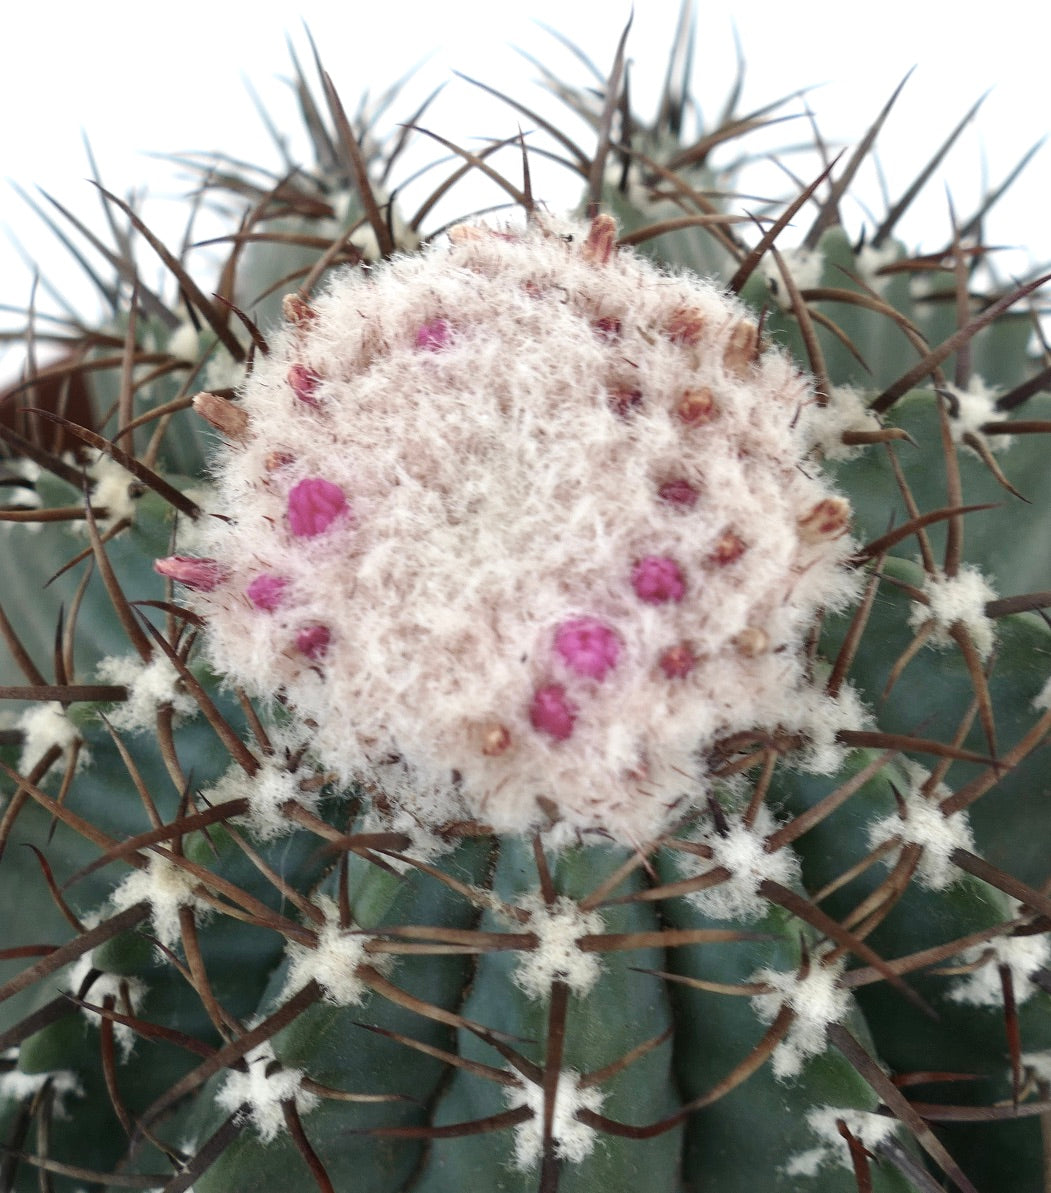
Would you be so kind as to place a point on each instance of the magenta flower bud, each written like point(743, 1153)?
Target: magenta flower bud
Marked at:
point(433, 336)
point(266, 591)
point(678, 492)
point(304, 382)
point(313, 640)
point(313, 505)
point(588, 646)
point(201, 574)
point(657, 580)
point(551, 712)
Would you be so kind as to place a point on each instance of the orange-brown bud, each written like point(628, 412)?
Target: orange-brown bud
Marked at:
point(686, 325)
point(728, 548)
point(752, 641)
point(297, 311)
point(827, 520)
point(742, 349)
point(696, 406)
point(228, 419)
point(601, 240)
point(495, 739)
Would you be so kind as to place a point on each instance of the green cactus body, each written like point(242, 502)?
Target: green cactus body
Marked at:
point(513, 714)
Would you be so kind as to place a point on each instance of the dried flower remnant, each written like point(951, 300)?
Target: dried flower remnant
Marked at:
point(457, 576)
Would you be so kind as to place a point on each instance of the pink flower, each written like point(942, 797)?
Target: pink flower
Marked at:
point(551, 712)
point(657, 580)
point(266, 591)
point(201, 574)
point(433, 336)
point(313, 505)
point(313, 640)
point(304, 382)
point(588, 646)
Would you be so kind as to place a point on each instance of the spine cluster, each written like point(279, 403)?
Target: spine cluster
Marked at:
point(521, 527)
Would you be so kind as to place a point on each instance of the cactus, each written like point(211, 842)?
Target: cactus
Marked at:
point(520, 713)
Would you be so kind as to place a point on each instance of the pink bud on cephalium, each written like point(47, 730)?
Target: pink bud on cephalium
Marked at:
point(677, 661)
point(551, 712)
point(658, 580)
point(678, 492)
point(588, 646)
point(266, 591)
point(313, 641)
point(434, 335)
point(313, 505)
point(201, 574)
point(304, 383)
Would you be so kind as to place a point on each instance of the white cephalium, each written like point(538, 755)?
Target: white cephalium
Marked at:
point(522, 529)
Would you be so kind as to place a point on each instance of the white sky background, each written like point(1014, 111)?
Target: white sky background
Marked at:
point(139, 78)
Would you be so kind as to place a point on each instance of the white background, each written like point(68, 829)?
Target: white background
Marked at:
point(140, 80)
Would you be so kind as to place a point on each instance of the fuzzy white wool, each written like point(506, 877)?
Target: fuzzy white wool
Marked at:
point(870, 260)
point(166, 888)
point(957, 599)
point(574, 1140)
point(845, 410)
point(185, 342)
point(257, 1094)
point(272, 786)
point(1022, 955)
point(43, 726)
point(805, 266)
point(1039, 1063)
point(496, 420)
point(870, 1129)
point(150, 686)
point(114, 489)
point(923, 823)
point(970, 409)
point(559, 926)
point(17, 1086)
point(740, 850)
point(817, 1000)
point(123, 990)
point(334, 962)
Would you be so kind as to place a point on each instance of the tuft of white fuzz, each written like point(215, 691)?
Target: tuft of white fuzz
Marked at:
point(805, 267)
point(923, 823)
point(257, 1095)
point(740, 850)
point(1039, 1063)
point(334, 962)
point(969, 410)
point(223, 372)
point(957, 599)
point(522, 530)
point(114, 489)
point(150, 686)
point(166, 888)
point(574, 1141)
point(559, 926)
point(16, 1086)
point(1042, 700)
point(845, 410)
point(267, 790)
point(870, 260)
point(42, 727)
point(107, 985)
point(870, 1129)
point(184, 343)
point(817, 1000)
point(1022, 955)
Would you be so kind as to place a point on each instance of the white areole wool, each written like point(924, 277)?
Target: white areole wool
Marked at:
point(521, 527)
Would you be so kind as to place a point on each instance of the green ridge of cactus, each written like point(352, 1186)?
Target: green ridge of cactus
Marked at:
point(494, 709)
